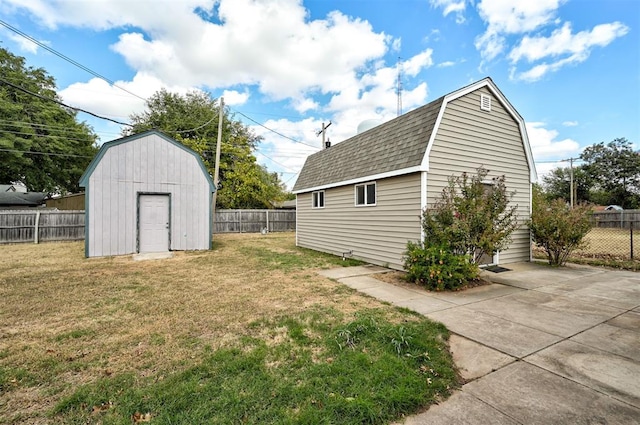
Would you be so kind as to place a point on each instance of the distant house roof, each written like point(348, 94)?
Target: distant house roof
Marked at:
point(22, 199)
point(399, 146)
point(13, 188)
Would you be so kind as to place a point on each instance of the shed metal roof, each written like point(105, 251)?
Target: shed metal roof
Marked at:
point(84, 179)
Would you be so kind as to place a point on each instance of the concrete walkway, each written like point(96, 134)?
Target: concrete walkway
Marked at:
point(537, 346)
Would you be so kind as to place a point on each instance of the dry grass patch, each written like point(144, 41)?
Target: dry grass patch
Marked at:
point(68, 321)
point(608, 247)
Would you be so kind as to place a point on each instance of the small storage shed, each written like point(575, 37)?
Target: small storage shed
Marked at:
point(363, 197)
point(146, 193)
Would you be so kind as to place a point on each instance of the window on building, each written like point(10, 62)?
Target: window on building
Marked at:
point(365, 194)
point(317, 199)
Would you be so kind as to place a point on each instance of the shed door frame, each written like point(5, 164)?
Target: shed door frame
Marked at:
point(138, 196)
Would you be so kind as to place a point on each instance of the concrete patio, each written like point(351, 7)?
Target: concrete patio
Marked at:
point(538, 345)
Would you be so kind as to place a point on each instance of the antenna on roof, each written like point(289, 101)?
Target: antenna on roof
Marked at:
point(399, 86)
point(325, 145)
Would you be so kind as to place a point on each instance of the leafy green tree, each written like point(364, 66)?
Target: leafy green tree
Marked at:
point(557, 228)
point(42, 145)
point(614, 169)
point(192, 119)
point(557, 184)
point(471, 217)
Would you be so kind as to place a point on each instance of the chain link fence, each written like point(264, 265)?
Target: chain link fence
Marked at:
point(616, 243)
point(613, 241)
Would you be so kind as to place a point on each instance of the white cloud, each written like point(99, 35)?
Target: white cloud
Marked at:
point(545, 146)
point(396, 44)
point(544, 168)
point(303, 105)
point(24, 44)
point(451, 6)
point(511, 17)
point(102, 98)
point(417, 63)
point(446, 64)
point(270, 44)
point(490, 44)
point(433, 36)
point(563, 44)
point(242, 47)
point(570, 123)
point(235, 98)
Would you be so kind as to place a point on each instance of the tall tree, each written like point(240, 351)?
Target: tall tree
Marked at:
point(557, 184)
point(42, 144)
point(192, 119)
point(615, 171)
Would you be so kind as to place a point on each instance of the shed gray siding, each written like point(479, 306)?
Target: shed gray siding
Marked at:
point(468, 138)
point(376, 234)
point(147, 164)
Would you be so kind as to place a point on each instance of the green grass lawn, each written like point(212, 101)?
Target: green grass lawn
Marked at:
point(245, 333)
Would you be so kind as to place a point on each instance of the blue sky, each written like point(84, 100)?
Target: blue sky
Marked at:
point(571, 68)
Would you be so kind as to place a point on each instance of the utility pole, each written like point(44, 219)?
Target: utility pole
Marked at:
point(571, 179)
point(323, 132)
point(572, 196)
point(399, 87)
point(216, 172)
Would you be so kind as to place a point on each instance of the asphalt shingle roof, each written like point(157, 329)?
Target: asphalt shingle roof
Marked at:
point(29, 199)
point(394, 145)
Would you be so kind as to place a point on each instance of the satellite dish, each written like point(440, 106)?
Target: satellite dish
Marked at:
point(367, 125)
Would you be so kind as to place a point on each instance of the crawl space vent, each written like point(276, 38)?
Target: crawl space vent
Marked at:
point(485, 102)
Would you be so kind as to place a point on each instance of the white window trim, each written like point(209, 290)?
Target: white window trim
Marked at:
point(324, 195)
point(355, 194)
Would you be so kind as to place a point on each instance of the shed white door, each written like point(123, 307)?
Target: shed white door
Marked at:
point(154, 223)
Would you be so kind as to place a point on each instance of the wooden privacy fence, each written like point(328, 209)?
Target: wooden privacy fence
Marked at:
point(41, 225)
point(616, 219)
point(254, 221)
point(51, 225)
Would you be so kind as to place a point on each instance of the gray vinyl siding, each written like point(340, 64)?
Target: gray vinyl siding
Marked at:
point(153, 165)
point(376, 234)
point(469, 137)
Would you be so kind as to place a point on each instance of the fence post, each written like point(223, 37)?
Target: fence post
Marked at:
point(240, 220)
point(36, 229)
point(267, 211)
point(631, 223)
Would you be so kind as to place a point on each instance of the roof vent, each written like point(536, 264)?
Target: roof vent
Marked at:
point(485, 102)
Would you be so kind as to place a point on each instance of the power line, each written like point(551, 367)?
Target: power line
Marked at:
point(291, 178)
point(66, 58)
point(45, 153)
point(552, 161)
point(20, 133)
point(273, 131)
point(276, 162)
point(61, 103)
point(199, 127)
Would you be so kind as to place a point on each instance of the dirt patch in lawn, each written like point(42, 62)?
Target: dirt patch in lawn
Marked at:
point(400, 279)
